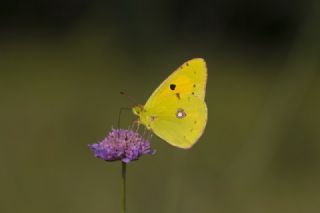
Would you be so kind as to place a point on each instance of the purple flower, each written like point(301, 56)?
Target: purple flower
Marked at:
point(121, 144)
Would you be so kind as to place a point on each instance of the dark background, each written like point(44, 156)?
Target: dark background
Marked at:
point(63, 63)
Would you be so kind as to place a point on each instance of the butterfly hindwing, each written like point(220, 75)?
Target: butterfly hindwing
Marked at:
point(181, 125)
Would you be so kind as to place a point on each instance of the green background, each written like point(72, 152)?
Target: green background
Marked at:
point(63, 64)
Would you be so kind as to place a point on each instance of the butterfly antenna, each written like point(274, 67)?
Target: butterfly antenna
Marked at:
point(129, 97)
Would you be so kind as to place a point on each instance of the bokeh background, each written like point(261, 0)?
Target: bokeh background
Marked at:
point(63, 63)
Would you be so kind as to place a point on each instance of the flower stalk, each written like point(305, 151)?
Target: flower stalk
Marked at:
point(124, 185)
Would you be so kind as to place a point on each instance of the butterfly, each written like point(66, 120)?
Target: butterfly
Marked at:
point(176, 111)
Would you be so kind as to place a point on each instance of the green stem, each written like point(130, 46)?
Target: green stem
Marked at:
point(124, 177)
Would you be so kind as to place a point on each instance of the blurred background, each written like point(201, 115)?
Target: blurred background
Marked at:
point(63, 63)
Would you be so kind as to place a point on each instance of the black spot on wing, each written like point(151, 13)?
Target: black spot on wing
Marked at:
point(173, 86)
point(178, 96)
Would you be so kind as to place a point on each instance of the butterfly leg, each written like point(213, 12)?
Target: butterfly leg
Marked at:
point(135, 125)
point(144, 131)
point(149, 135)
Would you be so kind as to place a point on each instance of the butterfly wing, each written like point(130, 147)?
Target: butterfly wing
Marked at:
point(181, 123)
point(189, 79)
point(176, 111)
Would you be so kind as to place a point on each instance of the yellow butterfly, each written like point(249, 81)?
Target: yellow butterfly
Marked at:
point(176, 111)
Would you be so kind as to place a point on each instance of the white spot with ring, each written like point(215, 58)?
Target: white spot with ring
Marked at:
point(180, 113)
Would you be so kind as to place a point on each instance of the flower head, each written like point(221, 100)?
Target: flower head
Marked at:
point(121, 144)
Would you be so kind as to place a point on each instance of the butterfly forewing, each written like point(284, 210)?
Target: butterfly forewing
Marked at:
point(189, 79)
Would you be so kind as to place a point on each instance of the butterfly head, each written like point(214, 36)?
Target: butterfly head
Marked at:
point(137, 110)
